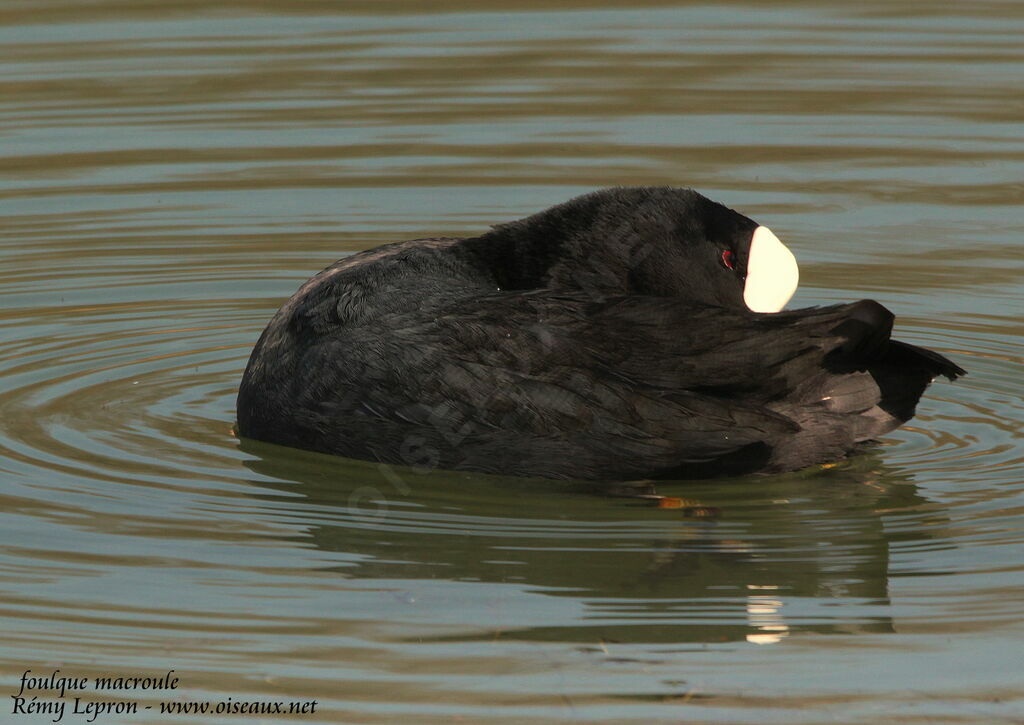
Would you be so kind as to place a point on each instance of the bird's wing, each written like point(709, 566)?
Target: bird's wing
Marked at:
point(539, 383)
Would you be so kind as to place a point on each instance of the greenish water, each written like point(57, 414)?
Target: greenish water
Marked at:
point(170, 172)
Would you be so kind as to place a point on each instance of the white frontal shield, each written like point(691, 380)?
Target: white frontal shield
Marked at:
point(772, 273)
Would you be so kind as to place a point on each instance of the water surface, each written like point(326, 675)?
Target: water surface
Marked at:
point(169, 175)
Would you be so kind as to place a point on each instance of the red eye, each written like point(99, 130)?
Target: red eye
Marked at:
point(729, 259)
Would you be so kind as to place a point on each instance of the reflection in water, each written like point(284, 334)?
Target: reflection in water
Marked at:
point(765, 617)
point(781, 552)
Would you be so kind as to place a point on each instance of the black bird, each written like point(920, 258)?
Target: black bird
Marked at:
point(627, 333)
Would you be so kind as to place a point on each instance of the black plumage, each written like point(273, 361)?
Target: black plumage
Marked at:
point(604, 338)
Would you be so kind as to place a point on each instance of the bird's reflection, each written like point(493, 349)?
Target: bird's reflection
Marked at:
point(751, 559)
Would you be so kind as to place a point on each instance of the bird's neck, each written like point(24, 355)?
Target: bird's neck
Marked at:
point(519, 258)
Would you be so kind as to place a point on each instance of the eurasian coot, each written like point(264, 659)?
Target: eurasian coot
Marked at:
point(627, 333)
